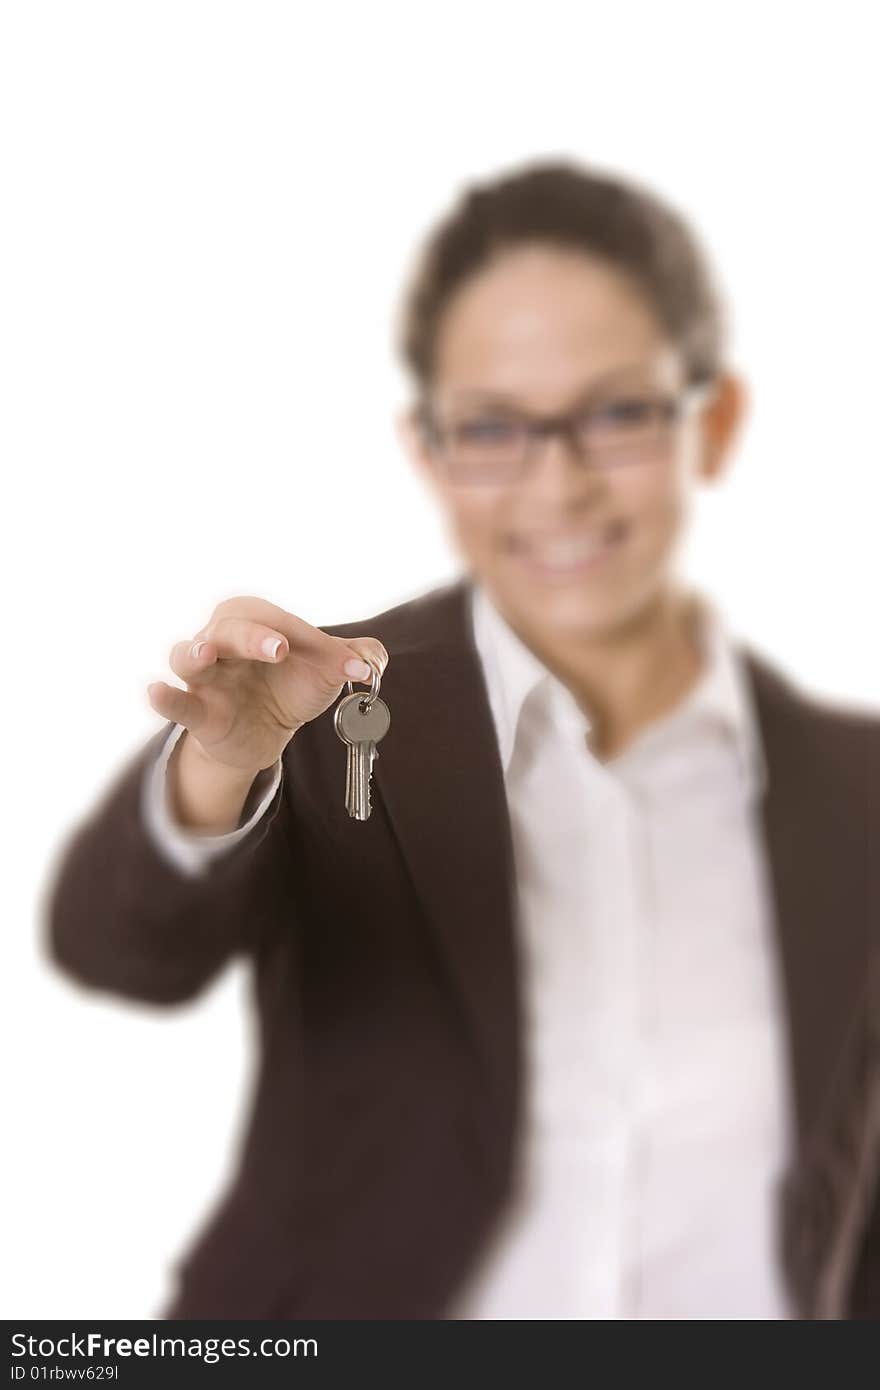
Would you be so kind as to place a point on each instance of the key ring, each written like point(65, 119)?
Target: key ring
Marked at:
point(375, 682)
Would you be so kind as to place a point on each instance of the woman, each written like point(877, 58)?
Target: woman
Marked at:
point(579, 1022)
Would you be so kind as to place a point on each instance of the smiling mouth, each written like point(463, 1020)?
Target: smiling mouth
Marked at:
point(568, 554)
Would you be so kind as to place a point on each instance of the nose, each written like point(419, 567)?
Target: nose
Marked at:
point(560, 471)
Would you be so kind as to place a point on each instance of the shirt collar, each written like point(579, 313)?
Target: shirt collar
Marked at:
point(722, 692)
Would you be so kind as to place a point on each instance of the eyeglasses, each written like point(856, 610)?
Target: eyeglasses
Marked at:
point(496, 444)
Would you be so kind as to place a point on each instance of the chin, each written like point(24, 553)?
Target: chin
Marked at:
point(572, 609)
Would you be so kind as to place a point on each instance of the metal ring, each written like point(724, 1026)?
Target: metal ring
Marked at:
point(375, 682)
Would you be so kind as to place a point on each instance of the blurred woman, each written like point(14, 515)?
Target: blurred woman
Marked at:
point(578, 1022)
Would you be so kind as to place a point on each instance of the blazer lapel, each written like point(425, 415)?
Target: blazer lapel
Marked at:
point(441, 782)
point(815, 821)
point(810, 818)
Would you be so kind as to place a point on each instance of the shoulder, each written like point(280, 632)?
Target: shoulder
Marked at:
point(841, 736)
point(436, 618)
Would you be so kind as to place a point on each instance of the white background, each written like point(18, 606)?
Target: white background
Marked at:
point(209, 211)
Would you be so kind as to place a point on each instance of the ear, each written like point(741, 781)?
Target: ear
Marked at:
point(722, 419)
point(412, 443)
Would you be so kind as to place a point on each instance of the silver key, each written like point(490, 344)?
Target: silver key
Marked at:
point(351, 779)
point(360, 726)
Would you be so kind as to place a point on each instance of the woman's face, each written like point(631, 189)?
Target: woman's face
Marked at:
point(566, 548)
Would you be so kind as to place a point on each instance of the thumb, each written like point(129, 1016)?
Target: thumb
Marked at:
point(366, 652)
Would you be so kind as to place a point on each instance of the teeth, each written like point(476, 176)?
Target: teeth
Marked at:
point(569, 552)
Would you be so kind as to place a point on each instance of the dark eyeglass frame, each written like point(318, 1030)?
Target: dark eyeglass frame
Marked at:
point(675, 406)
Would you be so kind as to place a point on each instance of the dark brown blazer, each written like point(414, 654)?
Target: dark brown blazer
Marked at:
point(381, 1137)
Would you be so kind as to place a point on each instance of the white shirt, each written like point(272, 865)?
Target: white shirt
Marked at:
point(656, 1107)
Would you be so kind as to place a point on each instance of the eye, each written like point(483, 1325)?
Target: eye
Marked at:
point(485, 431)
point(627, 410)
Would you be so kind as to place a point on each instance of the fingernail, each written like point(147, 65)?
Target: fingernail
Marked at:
point(195, 649)
point(270, 646)
point(358, 670)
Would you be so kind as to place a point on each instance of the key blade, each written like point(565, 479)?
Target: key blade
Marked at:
point(357, 781)
point(350, 788)
point(370, 758)
point(364, 757)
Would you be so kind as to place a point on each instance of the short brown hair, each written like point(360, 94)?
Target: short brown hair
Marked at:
point(567, 204)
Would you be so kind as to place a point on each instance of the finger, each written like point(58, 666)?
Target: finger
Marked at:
point(326, 653)
point(236, 638)
point(308, 641)
point(180, 706)
point(369, 649)
point(353, 658)
point(190, 659)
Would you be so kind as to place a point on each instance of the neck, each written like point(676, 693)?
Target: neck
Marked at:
point(624, 679)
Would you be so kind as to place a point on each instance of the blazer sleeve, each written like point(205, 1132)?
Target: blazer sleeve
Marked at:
point(121, 916)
